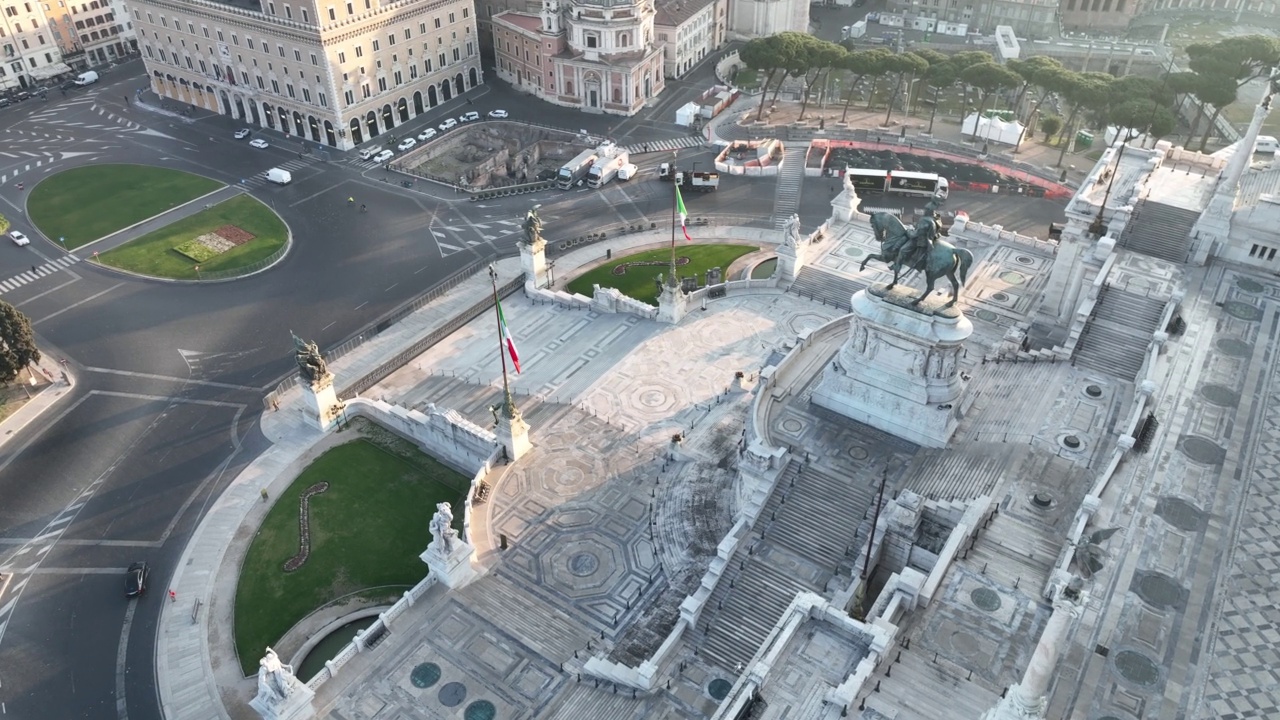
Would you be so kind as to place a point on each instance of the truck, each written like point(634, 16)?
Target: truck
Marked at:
point(88, 77)
point(609, 160)
point(628, 171)
point(698, 181)
point(899, 182)
point(279, 176)
point(573, 171)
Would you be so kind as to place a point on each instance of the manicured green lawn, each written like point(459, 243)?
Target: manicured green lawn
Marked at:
point(639, 282)
point(367, 531)
point(90, 202)
point(153, 253)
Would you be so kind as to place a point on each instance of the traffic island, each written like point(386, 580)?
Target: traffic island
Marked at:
point(359, 539)
point(236, 237)
point(78, 206)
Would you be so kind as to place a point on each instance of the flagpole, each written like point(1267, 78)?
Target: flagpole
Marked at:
point(675, 190)
point(508, 401)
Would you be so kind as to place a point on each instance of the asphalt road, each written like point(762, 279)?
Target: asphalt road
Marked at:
point(170, 376)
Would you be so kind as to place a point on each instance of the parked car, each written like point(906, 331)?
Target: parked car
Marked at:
point(68, 85)
point(470, 117)
point(242, 133)
point(497, 113)
point(5, 102)
point(426, 135)
point(448, 124)
point(383, 156)
point(406, 144)
point(258, 143)
point(18, 238)
point(135, 579)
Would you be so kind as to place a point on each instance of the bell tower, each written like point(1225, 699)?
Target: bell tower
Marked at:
point(551, 17)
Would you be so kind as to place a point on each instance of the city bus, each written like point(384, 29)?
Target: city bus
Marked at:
point(899, 182)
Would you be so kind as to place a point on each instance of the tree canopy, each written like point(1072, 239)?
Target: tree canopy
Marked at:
point(17, 343)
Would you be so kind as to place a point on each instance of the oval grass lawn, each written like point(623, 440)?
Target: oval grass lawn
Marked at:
point(154, 254)
point(366, 532)
point(87, 203)
point(638, 280)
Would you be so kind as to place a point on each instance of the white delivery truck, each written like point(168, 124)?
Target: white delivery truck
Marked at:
point(628, 171)
point(87, 78)
point(279, 176)
point(606, 167)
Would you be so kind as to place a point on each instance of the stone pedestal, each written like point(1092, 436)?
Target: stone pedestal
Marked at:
point(900, 369)
point(673, 304)
point(513, 433)
point(320, 401)
point(845, 205)
point(453, 567)
point(281, 696)
point(533, 261)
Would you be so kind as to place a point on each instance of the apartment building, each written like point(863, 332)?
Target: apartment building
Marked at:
point(689, 30)
point(31, 54)
point(333, 72)
point(1028, 18)
point(91, 32)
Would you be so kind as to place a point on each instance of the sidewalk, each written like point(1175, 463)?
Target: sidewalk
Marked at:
point(156, 222)
point(61, 383)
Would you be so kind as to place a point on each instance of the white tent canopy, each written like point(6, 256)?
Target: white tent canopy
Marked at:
point(983, 129)
point(45, 72)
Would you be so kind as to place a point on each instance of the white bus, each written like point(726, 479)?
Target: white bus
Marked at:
point(900, 182)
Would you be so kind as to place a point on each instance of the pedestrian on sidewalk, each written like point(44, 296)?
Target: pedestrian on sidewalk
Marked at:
point(173, 596)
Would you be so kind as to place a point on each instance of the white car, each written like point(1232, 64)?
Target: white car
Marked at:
point(383, 156)
point(468, 117)
point(242, 133)
point(18, 238)
point(426, 135)
point(448, 124)
point(497, 113)
point(406, 144)
point(368, 153)
point(258, 143)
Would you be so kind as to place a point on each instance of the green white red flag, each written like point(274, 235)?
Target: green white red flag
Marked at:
point(508, 340)
point(684, 215)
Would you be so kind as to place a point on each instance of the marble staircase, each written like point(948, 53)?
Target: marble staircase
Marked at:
point(1159, 230)
point(790, 178)
point(1014, 552)
point(817, 517)
point(1116, 337)
point(826, 287)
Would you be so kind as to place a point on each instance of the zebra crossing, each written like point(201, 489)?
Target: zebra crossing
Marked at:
point(38, 272)
point(454, 239)
point(668, 145)
point(260, 179)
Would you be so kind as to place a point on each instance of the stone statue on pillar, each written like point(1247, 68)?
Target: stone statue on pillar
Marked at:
point(792, 253)
point(281, 696)
point(443, 535)
point(533, 251)
point(320, 404)
point(449, 556)
point(845, 205)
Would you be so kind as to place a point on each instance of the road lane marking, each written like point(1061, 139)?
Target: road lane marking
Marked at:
point(169, 378)
point(95, 296)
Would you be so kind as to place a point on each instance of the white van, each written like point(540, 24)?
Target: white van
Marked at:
point(1266, 144)
point(87, 78)
point(279, 176)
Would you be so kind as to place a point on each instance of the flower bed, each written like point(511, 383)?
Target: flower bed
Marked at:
point(210, 245)
point(304, 527)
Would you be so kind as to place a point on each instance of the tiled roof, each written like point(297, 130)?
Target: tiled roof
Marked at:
point(674, 13)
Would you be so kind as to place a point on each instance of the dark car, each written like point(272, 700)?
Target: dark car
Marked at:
point(135, 579)
point(5, 102)
point(23, 95)
point(68, 85)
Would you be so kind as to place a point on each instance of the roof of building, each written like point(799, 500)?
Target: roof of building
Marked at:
point(674, 13)
point(522, 21)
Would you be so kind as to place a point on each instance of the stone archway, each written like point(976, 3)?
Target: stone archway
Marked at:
point(270, 115)
point(475, 77)
point(388, 117)
point(445, 91)
point(253, 106)
point(371, 121)
point(328, 134)
point(284, 122)
point(314, 124)
point(432, 99)
point(226, 103)
point(357, 136)
point(591, 90)
point(417, 102)
point(457, 84)
point(403, 108)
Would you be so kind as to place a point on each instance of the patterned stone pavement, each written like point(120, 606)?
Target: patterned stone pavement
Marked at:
point(1186, 622)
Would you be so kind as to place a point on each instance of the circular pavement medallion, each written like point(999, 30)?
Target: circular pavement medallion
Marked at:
point(1137, 668)
point(985, 599)
point(1234, 347)
point(858, 453)
point(452, 694)
point(1071, 442)
point(1013, 278)
point(792, 425)
point(1024, 260)
point(719, 688)
point(1220, 395)
point(986, 315)
point(1042, 500)
point(1179, 513)
point(1244, 311)
point(480, 710)
point(653, 397)
point(1202, 450)
point(854, 252)
point(1093, 391)
point(1248, 285)
point(583, 564)
point(999, 297)
point(1158, 590)
point(425, 675)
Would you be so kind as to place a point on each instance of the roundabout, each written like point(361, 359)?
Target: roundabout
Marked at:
point(158, 223)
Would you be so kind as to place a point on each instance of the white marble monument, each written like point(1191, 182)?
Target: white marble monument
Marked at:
point(512, 431)
point(1028, 699)
point(792, 253)
point(281, 696)
point(900, 369)
point(320, 402)
point(533, 251)
point(845, 205)
point(673, 302)
point(449, 556)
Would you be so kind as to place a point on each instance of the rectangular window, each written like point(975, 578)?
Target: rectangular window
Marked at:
point(382, 84)
point(391, 39)
point(342, 57)
point(348, 96)
point(413, 72)
point(443, 62)
point(244, 77)
point(422, 28)
point(249, 41)
point(359, 51)
point(280, 49)
point(407, 34)
point(163, 57)
point(289, 89)
point(306, 18)
point(427, 63)
point(203, 69)
point(457, 55)
point(437, 20)
point(234, 40)
point(398, 80)
point(470, 51)
point(314, 61)
point(466, 12)
point(351, 10)
point(324, 102)
point(364, 90)
point(288, 12)
point(297, 55)
point(275, 87)
point(151, 54)
point(190, 66)
point(191, 28)
point(220, 38)
point(332, 15)
point(375, 47)
point(206, 31)
point(306, 95)
point(271, 7)
point(451, 18)
point(261, 85)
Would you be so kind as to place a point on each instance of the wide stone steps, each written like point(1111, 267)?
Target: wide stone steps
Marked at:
point(1159, 230)
point(790, 178)
point(817, 517)
point(585, 700)
point(825, 287)
point(1022, 557)
point(1116, 338)
point(750, 610)
point(545, 629)
point(951, 693)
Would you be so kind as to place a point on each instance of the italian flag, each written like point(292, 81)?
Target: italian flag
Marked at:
point(684, 215)
point(507, 339)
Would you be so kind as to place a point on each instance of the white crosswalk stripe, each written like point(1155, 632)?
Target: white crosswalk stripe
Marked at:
point(40, 271)
point(668, 145)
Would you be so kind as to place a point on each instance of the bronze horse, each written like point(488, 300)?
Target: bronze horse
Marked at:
point(921, 250)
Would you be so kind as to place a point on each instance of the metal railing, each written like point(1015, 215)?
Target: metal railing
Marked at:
point(264, 263)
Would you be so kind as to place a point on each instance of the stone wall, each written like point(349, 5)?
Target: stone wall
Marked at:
point(442, 434)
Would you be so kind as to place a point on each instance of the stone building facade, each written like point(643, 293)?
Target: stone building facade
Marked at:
point(1090, 15)
point(1028, 18)
point(688, 31)
point(30, 52)
point(332, 72)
